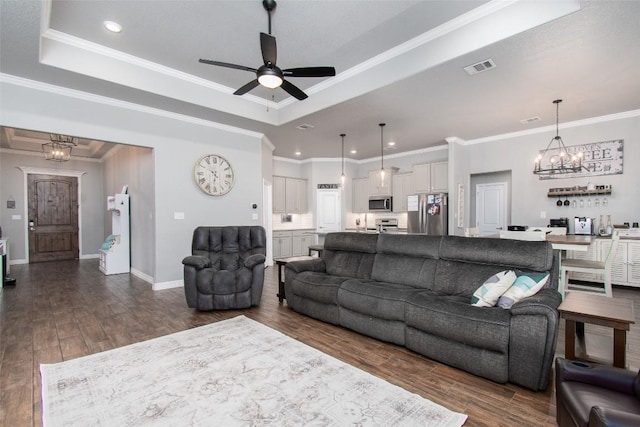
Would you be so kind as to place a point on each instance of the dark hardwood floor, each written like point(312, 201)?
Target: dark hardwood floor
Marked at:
point(63, 310)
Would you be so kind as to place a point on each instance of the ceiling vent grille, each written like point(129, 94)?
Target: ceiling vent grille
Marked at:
point(530, 120)
point(480, 67)
point(305, 126)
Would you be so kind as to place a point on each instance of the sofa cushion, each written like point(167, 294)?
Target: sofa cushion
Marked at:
point(315, 286)
point(349, 254)
point(406, 259)
point(488, 293)
point(513, 254)
point(377, 299)
point(525, 285)
point(457, 320)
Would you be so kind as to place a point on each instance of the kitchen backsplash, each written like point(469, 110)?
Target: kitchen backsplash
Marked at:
point(371, 219)
point(298, 221)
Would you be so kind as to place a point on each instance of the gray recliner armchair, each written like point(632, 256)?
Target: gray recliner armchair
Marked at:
point(226, 268)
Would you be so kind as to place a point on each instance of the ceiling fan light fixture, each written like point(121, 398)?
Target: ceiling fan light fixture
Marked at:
point(270, 79)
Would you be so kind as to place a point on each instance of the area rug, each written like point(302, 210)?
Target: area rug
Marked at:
point(233, 372)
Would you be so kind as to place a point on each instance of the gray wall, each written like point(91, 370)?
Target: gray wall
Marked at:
point(529, 195)
point(12, 184)
point(178, 142)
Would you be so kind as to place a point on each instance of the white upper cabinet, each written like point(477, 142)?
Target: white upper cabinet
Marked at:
point(431, 177)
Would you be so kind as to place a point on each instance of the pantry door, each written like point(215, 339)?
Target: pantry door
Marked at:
point(329, 211)
point(53, 217)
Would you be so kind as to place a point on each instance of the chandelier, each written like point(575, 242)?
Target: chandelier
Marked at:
point(557, 160)
point(59, 147)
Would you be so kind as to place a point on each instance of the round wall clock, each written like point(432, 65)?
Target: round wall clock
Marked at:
point(214, 175)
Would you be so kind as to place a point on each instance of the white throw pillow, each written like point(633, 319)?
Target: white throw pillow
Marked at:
point(526, 285)
point(487, 295)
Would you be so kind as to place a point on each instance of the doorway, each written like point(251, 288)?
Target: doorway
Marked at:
point(490, 206)
point(329, 210)
point(53, 217)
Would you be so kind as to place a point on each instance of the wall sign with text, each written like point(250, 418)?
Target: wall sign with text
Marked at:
point(599, 158)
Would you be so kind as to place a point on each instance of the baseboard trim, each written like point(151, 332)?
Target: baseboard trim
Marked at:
point(139, 274)
point(167, 285)
point(90, 256)
point(18, 261)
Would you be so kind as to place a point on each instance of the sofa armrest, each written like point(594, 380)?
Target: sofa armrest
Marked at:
point(606, 417)
point(609, 377)
point(316, 264)
point(546, 299)
point(254, 260)
point(199, 262)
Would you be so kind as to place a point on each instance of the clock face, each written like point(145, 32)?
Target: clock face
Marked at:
point(214, 175)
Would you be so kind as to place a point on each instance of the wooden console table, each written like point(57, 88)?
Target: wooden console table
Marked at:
point(579, 308)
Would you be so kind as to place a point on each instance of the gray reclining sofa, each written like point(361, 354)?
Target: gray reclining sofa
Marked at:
point(415, 291)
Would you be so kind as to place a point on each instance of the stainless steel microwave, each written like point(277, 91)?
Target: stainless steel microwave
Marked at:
point(380, 203)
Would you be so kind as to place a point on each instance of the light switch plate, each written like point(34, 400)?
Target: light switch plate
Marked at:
point(178, 215)
point(16, 217)
point(254, 216)
point(543, 214)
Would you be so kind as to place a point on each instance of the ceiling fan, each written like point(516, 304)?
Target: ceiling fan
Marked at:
point(269, 74)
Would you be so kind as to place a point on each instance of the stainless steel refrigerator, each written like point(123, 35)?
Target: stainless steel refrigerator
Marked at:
point(428, 214)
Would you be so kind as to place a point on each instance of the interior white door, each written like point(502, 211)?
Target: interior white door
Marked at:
point(491, 208)
point(328, 211)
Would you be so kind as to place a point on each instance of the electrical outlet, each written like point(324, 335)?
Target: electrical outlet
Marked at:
point(254, 216)
point(543, 214)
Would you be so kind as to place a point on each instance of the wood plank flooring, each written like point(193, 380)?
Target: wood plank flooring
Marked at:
point(63, 310)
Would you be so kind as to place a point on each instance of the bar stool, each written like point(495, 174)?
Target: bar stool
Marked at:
point(316, 248)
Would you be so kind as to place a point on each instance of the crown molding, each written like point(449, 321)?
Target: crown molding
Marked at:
point(552, 128)
point(39, 154)
point(99, 99)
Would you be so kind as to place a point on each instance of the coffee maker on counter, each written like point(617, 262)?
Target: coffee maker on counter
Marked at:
point(560, 223)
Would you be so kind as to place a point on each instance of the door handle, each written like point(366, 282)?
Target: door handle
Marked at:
point(498, 228)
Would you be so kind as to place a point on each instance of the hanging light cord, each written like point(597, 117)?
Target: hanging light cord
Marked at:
point(343, 135)
point(381, 146)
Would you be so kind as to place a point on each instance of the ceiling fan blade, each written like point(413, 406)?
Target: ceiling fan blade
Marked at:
point(246, 88)
point(310, 72)
point(269, 49)
point(293, 90)
point(227, 65)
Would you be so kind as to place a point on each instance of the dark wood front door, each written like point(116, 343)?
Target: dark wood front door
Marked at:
point(53, 211)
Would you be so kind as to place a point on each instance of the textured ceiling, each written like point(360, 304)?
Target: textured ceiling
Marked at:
point(588, 56)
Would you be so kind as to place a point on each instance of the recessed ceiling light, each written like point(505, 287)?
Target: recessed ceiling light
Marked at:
point(297, 153)
point(112, 26)
point(391, 143)
point(353, 151)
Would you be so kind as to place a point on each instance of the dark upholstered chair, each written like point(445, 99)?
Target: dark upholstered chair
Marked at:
point(589, 394)
point(226, 268)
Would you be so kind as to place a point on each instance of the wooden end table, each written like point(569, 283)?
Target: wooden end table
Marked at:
point(281, 262)
point(579, 308)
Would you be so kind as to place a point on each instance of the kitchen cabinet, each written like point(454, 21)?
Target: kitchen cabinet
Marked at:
point(431, 177)
point(282, 244)
point(626, 263)
point(360, 195)
point(378, 186)
point(289, 195)
point(301, 241)
point(288, 243)
point(403, 186)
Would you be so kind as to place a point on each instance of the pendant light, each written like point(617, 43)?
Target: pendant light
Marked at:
point(343, 176)
point(558, 158)
point(382, 125)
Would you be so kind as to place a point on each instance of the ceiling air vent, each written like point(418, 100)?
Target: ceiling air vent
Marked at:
point(481, 66)
point(305, 126)
point(530, 120)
